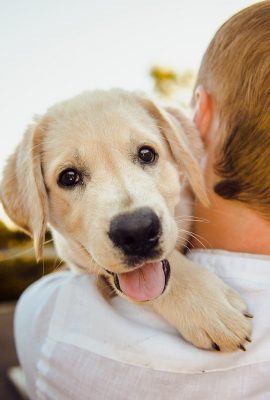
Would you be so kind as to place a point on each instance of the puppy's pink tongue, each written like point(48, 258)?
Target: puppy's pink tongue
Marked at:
point(145, 283)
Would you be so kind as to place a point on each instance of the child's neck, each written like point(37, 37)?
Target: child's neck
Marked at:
point(231, 226)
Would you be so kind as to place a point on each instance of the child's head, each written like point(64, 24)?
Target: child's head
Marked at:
point(235, 72)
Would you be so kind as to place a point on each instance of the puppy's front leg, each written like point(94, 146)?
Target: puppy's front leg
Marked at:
point(202, 307)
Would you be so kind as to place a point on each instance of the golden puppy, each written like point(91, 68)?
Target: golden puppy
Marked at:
point(111, 173)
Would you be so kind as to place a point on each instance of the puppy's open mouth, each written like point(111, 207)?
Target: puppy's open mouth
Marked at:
point(145, 283)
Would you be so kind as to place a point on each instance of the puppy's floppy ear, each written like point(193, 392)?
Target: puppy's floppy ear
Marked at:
point(184, 142)
point(23, 192)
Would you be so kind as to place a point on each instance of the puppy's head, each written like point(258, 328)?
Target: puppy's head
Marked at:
point(106, 170)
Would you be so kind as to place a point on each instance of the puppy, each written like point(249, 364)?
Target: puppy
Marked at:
point(112, 173)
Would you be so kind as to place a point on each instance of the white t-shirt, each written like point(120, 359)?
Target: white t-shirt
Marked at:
point(75, 345)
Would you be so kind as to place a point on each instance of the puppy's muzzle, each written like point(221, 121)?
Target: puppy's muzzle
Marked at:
point(137, 233)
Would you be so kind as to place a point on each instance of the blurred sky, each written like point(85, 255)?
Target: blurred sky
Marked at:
point(53, 49)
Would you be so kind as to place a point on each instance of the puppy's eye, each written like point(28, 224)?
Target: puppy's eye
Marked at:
point(147, 155)
point(69, 178)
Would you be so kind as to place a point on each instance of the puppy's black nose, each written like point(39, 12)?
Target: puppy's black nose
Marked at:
point(137, 233)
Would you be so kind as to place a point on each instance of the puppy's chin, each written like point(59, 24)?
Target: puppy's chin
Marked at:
point(145, 283)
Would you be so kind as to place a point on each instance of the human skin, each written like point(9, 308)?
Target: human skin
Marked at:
point(229, 225)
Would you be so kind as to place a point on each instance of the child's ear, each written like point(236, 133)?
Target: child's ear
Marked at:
point(203, 113)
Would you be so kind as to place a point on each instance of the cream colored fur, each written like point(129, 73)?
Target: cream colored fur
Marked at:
point(99, 133)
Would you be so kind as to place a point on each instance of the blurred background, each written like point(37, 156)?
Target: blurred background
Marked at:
point(54, 49)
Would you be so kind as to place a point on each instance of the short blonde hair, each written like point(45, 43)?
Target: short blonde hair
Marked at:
point(235, 70)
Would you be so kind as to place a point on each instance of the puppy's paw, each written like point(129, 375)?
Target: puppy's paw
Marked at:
point(206, 311)
point(215, 316)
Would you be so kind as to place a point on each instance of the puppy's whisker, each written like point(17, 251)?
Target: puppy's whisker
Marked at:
point(196, 237)
point(199, 237)
point(22, 252)
point(58, 266)
point(185, 240)
point(48, 241)
point(179, 219)
point(192, 217)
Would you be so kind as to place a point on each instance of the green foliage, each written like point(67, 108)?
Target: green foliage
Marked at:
point(18, 267)
point(7, 236)
point(169, 83)
point(10, 238)
point(18, 273)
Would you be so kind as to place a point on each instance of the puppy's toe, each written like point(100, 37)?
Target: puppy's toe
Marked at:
point(226, 329)
point(235, 330)
point(236, 301)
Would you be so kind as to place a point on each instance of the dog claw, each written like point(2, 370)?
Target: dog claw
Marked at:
point(248, 315)
point(241, 347)
point(248, 339)
point(215, 347)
